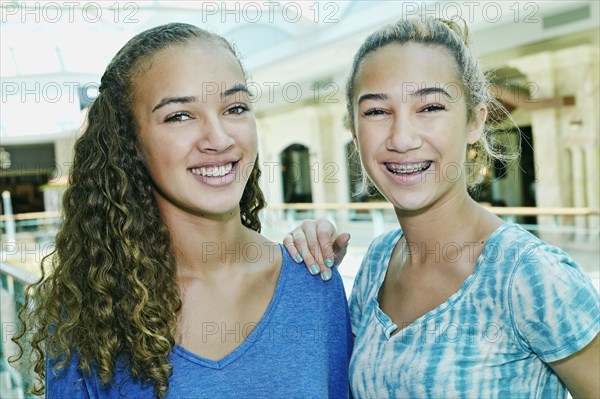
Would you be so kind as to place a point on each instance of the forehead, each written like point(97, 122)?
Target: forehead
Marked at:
point(406, 65)
point(199, 64)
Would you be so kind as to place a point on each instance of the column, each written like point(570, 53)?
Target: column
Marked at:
point(550, 174)
point(592, 166)
point(577, 187)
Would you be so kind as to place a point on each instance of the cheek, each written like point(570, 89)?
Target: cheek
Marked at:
point(151, 162)
point(368, 159)
point(367, 144)
point(162, 157)
point(148, 143)
point(248, 136)
point(150, 151)
point(253, 141)
point(146, 152)
point(453, 152)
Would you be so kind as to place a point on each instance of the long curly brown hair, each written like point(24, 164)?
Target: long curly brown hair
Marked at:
point(109, 291)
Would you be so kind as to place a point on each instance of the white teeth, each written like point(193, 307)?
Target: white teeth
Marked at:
point(213, 171)
point(405, 168)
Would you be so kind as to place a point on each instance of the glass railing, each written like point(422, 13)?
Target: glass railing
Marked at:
point(576, 230)
point(12, 383)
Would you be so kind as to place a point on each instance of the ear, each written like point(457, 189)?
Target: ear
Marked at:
point(352, 129)
point(477, 125)
point(350, 125)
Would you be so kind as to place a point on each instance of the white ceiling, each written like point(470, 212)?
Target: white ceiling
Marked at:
point(40, 38)
point(279, 41)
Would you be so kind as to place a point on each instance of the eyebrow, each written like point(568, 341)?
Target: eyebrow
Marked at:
point(373, 96)
point(424, 91)
point(193, 99)
point(430, 90)
point(235, 89)
point(175, 100)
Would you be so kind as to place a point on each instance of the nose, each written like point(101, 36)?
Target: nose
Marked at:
point(214, 136)
point(404, 135)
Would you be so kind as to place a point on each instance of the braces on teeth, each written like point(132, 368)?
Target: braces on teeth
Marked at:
point(409, 168)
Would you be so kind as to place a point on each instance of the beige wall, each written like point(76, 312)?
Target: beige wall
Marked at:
point(565, 138)
point(318, 127)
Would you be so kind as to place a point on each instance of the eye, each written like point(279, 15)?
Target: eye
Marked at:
point(433, 108)
point(178, 117)
point(374, 112)
point(237, 109)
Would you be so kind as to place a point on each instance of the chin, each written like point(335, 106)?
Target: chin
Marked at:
point(217, 208)
point(202, 204)
point(410, 202)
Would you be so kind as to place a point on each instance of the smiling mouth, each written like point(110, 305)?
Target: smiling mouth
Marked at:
point(408, 168)
point(214, 170)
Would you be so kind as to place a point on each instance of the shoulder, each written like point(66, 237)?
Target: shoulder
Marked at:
point(532, 263)
point(553, 304)
point(71, 381)
point(529, 257)
point(383, 242)
point(372, 269)
point(514, 248)
point(375, 260)
point(297, 279)
point(308, 300)
point(65, 379)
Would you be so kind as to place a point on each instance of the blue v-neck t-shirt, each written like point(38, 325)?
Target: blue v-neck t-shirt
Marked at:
point(299, 349)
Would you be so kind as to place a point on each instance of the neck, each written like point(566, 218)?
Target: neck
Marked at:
point(445, 227)
point(205, 243)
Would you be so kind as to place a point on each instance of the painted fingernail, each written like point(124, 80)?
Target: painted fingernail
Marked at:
point(329, 262)
point(299, 258)
point(314, 269)
point(326, 275)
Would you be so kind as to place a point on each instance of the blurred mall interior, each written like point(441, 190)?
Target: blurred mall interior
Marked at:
point(542, 57)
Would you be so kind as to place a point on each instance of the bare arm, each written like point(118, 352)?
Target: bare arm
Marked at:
point(580, 372)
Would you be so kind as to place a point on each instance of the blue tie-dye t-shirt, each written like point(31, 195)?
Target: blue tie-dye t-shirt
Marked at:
point(525, 304)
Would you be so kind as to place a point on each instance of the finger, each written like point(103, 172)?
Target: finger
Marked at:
point(326, 234)
point(304, 240)
point(340, 247)
point(288, 242)
point(313, 244)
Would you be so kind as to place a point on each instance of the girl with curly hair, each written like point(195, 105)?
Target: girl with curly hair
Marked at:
point(455, 303)
point(161, 284)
